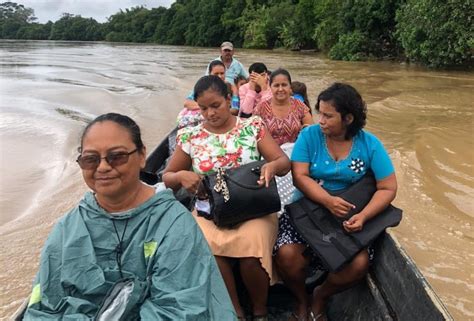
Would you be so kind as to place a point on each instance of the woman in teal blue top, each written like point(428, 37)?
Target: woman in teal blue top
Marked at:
point(127, 251)
point(332, 156)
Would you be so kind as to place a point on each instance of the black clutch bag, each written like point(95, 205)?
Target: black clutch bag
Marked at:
point(235, 196)
point(324, 232)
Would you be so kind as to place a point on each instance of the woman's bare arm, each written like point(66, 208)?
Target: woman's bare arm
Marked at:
point(277, 161)
point(191, 104)
point(178, 174)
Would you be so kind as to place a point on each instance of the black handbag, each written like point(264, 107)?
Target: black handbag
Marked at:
point(324, 232)
point(235, 196)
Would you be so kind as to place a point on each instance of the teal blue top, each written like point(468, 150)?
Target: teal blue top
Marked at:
point(367, 153)
point(162, 245)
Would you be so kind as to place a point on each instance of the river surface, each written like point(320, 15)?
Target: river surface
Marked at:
point(49, 90)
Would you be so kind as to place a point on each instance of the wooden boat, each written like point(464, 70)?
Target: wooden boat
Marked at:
point(394, 288)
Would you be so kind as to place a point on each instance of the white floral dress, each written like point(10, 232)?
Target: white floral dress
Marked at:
point(210, 151)
point(238, 146)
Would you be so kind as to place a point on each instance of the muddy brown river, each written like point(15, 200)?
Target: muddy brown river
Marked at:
point(48, 90)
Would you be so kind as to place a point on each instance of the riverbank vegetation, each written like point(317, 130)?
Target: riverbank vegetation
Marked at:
point(435, 33)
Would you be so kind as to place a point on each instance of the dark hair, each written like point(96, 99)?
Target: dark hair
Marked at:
point(300, 88)
point(280, 71)
point(210, 82)
point(126, 122)
point(215, 63)
point(346, 100)
point(257, 67)
point(239, 78)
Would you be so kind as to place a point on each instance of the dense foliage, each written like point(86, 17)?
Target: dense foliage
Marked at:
point(436, 33)
point(71, 27)
point(14, 17)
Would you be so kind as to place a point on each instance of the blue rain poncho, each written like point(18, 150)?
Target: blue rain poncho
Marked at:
point(163, 249)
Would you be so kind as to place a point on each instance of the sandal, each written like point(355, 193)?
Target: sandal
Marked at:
point(319, 317)
point(260, 318)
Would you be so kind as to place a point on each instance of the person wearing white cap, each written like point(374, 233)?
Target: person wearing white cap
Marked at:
point(233, 67)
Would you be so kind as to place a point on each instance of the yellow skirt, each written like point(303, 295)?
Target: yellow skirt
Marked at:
point(253, 238)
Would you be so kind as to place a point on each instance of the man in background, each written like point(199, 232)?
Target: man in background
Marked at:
point(233, 67)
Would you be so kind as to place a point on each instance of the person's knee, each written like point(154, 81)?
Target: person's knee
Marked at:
point(360, 266)
point(289, 258)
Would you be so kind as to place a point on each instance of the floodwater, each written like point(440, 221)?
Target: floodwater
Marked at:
point(49, 90)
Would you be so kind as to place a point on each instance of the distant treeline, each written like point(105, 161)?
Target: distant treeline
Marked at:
point(436, 33)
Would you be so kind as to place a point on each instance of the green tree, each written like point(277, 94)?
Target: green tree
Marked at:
point(178, 24)
point(232, 20)
point(154, 18)
point(264, 23)
point(437, 33)
point(206, 29)
point(137, 24)
point(162, 27)
point(14, 16)
point(35, 31)
point(357, 29)
point(329, 23)
point(350, 46)
point(72, 27)
point(297, 32)
point(254, 22)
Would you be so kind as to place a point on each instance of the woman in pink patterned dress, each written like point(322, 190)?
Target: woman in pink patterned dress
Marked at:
point(227, 141)
point(283, 115)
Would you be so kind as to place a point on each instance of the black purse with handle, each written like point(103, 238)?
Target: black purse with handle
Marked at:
point(235, 196)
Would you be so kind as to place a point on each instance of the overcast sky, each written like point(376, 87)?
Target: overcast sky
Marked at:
point(100, 10)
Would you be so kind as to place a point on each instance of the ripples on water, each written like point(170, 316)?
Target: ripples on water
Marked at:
point(49, 90)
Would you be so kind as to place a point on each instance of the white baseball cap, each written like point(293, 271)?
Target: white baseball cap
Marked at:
point(227, 45)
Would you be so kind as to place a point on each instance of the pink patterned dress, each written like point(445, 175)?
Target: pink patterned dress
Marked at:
point(283, 130)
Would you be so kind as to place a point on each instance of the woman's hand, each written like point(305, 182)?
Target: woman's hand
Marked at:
point(253, 81)
point(338, 206)
point(267, 172)
point(355, 223)
point(262, 81)
point(190, 181)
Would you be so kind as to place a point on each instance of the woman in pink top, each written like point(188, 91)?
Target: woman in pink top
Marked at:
point(283, 115)
point(256, 90)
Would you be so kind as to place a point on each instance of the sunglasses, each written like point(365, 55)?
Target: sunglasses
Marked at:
point(115, 159)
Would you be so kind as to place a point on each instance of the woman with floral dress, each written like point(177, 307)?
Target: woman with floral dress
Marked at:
point(227, 141)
